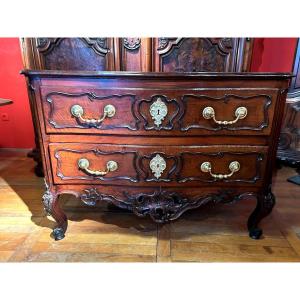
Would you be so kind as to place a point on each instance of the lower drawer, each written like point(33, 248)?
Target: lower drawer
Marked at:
point(135, 165)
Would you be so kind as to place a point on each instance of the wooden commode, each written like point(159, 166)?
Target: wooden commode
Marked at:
point(158, 144)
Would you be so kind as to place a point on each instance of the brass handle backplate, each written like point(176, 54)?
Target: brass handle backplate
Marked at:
point(108, 112)
point(83, 164)
point(240, 113)
point(234, 166)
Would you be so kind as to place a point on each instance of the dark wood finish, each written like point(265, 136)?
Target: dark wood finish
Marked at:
point(133, 106)
point(138, 54)
point(201, 54)
point(131, 54)
point(182, 165)
point(71, 53)
point(289, 143)
point(161, 190)
point(135, 54)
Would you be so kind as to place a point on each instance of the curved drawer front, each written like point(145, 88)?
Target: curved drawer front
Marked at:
point(158, 111)
point(150, 166)
point(228, 112)
point(88, 111)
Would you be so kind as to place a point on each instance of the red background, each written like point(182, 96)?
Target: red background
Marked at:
point(18, 131)
point(269, 55)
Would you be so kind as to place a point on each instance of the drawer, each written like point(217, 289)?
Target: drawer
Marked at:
point(168, 112)
point(228, 112)
point(157, 165)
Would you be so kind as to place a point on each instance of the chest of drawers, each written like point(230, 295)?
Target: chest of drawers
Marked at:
point(158, 144)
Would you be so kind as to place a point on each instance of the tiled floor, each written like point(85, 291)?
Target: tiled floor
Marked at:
point(104, 234)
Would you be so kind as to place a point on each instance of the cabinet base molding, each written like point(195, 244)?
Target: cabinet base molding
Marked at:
point(161, 206)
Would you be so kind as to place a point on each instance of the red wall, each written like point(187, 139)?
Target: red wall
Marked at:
point(273, 54)
point(269, 55)
point(18, 131)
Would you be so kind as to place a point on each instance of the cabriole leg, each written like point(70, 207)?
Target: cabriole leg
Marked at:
point(52, 207)
point(264, 206)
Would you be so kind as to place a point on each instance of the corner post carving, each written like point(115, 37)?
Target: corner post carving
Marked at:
point(264, 206)
point(52, 208)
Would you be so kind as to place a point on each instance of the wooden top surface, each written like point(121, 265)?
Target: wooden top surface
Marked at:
point(175, 75)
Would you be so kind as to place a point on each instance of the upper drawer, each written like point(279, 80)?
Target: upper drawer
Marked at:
point(158, 111)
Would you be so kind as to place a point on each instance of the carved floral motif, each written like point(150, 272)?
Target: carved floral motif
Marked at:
point(132, 43)
point(161, 206)
point(99, 45)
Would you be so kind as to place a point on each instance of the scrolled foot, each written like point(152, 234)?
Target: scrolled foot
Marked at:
point(53, 209)
point(255, 233)
point(58, 233)
point(264, 206)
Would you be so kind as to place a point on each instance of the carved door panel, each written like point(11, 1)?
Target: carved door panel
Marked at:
point(82, 54)
point(201, 54)
point(135, 54)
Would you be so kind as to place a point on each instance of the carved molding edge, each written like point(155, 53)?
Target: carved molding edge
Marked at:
point(96, 152)
point(224, 45)
point(91, 96)
point(257, 176)
point(161, 206)
point(46, 45)
point(132, 43)
point(168, 120)
point(168, 175)
point(226, 99)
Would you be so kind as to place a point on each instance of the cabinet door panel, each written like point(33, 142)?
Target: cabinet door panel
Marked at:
point(201, 54)
point(81, 54)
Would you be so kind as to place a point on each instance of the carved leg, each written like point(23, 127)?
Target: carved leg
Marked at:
point(52, 207)
point(265, 204)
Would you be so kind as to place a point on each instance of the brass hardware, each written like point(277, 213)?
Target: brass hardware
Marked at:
point(108, 112)
point(84, 164)
point(234, 166)
point(158, 111)
point(240, 113)
point(157, 165)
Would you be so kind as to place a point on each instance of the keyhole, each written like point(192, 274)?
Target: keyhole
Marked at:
point(158, 112)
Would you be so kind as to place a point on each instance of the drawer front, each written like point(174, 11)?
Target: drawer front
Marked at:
point(157, 166)
point(230, 112)
point(158, 112)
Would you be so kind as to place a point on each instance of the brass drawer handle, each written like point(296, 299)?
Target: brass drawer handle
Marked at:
point(108, 112)
point(240, 113)
point(84, 164)
point(234, 166)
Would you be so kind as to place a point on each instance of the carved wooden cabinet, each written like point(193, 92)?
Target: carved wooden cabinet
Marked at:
point(158, 144)
point(135, 54)
point(138, 54)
